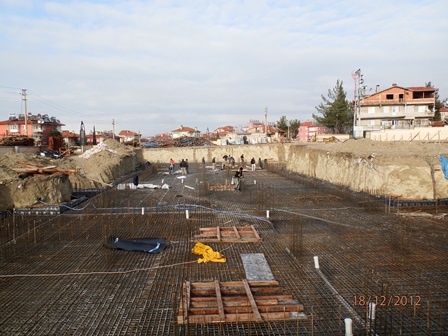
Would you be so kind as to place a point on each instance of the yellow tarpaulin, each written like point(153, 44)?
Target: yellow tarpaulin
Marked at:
point(207, 253)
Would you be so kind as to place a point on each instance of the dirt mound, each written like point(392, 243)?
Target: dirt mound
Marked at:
point(95, 168)
point(399, 148)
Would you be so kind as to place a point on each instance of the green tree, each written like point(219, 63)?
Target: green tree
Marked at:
point(336, 112)
point(283, 124)
point(438, 103)
point(292, 126)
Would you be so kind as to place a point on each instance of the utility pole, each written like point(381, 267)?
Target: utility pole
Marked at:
point(357, 77)
point(113, 129)
point(266, 123)
point(24, 98)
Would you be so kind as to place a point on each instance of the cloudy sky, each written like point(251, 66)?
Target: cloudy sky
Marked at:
point(155, 65)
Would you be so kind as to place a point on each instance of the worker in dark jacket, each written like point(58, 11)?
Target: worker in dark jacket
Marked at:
point(238, 179)
point(183, 167)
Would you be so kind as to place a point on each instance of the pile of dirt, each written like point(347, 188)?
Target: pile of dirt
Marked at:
point(101, 165)
point(364, 147)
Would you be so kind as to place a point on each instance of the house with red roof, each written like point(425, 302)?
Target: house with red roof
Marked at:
point(129, 136)
point(397, 108)
point(40, 127)
point(186, 131)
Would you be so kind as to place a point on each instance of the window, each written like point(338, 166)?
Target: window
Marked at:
point(394, 110)
point(13, 128)
point(421, 109)
point(409, 109)
point(389, 96)
point(386, 109)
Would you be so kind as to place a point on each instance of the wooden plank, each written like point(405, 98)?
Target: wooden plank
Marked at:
point(237, 235)
point(251, 300)
point(218, 233)
point(219, 300)
point(255, 232)
point(233, 302)
point(244, 317)
point(297, 308)
point(256, 283)
point(187, 297)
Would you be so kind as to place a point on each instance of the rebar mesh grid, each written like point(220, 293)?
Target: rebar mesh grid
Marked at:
point(58, 278)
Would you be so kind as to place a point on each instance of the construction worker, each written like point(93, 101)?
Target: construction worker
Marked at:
point(183, 167)
point(238, 178)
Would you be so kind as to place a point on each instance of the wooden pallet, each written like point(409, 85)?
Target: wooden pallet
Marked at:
point(237, 301)
point(245, 234)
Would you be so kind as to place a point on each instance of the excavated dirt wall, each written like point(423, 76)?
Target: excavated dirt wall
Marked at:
point(403, 170)
point(404, 177)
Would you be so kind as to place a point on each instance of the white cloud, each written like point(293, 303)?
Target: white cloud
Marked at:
point(155, 65)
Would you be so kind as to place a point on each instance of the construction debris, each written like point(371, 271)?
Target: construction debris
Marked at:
point(97, 149)
point(178, 142)
point(16, 140)
point(31, 168)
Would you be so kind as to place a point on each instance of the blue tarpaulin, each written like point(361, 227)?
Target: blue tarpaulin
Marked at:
point(444, 162)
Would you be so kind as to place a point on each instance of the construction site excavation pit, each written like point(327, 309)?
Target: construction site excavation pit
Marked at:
point(322, 254)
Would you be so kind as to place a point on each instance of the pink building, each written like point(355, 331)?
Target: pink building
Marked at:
point(309, 130)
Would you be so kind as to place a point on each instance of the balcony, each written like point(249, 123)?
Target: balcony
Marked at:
point(420, 101)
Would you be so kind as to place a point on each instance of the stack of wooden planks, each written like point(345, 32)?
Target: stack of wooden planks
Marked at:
point(245, 234)
point(236, 301)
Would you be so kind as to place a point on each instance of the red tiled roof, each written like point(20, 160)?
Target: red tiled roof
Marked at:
point(127, 133)
point(421, 88)
point(309, 123)
point(184, 129)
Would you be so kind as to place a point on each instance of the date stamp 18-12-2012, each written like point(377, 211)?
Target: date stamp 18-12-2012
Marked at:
point(387, 300)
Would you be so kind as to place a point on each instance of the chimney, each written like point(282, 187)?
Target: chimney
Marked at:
point(377, 89)
point(394, 84)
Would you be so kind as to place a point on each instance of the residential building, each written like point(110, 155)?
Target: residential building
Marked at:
point(39, 127)
point(444, 114)
point(308, 131)
point(186, 131)
point(397, 108)
point(129, 136)
point(71, 139)
point(223, 131)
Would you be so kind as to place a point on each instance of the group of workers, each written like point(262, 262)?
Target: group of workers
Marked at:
point(237, 179)
point(183, 166)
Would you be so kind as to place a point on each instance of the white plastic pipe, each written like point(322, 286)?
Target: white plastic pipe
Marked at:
point(348, 327)
point(187, 214)
point(372, 308)
point(316, 262)
point(267, 213)
point(143, 211)
point(255, 181)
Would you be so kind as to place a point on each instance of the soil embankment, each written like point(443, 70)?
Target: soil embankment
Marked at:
point(405, 170)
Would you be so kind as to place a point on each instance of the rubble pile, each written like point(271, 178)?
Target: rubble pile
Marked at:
point(178, 142)
point(16, 140)
point(26, 180)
